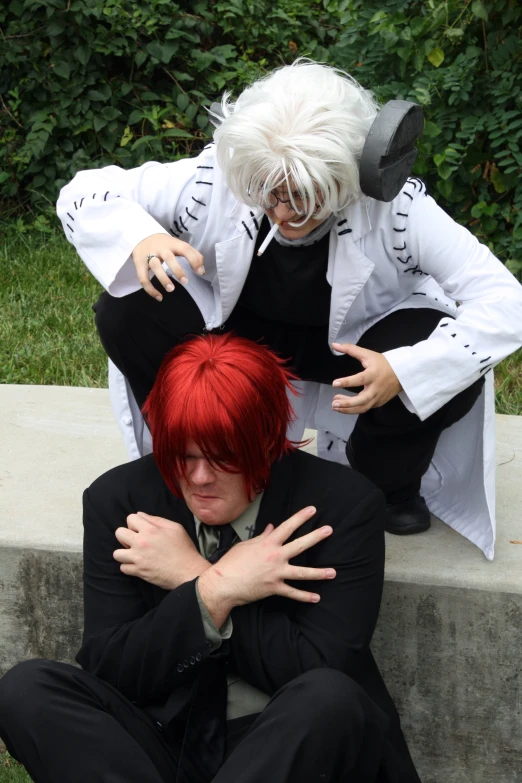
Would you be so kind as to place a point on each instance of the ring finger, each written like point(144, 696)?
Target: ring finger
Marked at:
point(155, 263)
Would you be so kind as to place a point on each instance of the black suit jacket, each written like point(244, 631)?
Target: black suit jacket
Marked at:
point(150, 643)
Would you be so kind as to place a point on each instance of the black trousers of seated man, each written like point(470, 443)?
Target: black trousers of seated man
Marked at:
point(389, 445)
point(67, 726)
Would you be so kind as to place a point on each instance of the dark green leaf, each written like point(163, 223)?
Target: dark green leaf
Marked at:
point(62, 69)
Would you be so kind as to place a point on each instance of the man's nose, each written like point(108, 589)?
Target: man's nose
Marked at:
point(283, 211)
point(201, 472)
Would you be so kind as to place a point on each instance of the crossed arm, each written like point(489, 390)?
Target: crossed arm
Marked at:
point(137, 634)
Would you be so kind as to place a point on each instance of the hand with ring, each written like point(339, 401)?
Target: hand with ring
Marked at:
point(152, 252)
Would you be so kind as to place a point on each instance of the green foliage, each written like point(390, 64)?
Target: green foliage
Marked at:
point(87, 83)
point(462, 61)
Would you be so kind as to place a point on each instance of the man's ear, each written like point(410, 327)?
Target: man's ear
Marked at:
point(389, 151)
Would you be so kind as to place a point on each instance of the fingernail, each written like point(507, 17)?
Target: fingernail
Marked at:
point(184, 280)
point(315, 599)
point(336, 404)
point(327, 529)
point(159, 298)
point(201, 270)
point(311, 509)
point(169, 287)
point(330, 573)
point(336, 383)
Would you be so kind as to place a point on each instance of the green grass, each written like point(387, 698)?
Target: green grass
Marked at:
point(47, 333)
point(11, 771)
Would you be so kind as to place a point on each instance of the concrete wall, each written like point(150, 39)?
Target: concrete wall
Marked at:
point(449, 656)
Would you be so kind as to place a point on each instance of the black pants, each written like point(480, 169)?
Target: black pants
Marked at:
point(67, 726)
point(389, 445)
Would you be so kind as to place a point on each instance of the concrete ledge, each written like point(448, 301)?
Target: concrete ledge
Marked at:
point(450, 633)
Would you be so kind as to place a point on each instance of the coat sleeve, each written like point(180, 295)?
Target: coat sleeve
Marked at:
point(106, 212)
point(276, 640)
point(142, 649)
point(488, 325)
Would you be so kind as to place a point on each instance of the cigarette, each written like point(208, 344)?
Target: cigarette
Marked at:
point(268, 239)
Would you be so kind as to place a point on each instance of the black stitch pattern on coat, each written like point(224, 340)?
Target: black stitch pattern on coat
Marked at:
point(466, 346)
point(178, 229)
point(204, 167)
point(81, 202)
point(255, 221)
point(93, 195)
point(198, 201)
point(344, 231)
point(474, 353)
point(454, 335)
point(201, 182)
point(190, 214)
point(484, 360)
point(329, 446)
point(402, 214)
point(408, 194)
point(182, 223)
point(174, 233)
point(416, 270)
point(247, 229)
point(488, 370)
point(341, 223)
point(399, 230)
point(418, 293)
point(443, 325)
point(404, 262)
point(70, 228)
point(69, 215)
point(75, 205)
point(400, 248)
point(410, 181)
point(105, 197)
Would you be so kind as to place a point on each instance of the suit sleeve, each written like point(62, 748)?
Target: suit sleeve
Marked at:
point(143, 650)
point(276, 640)
point(488, 325)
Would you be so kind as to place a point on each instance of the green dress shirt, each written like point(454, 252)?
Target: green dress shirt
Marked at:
point(242, 698)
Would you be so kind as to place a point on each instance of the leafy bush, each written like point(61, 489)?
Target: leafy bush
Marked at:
point(93, 82)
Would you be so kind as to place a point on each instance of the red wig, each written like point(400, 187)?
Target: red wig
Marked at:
point(227, 394)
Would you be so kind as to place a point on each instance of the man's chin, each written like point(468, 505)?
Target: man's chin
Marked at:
point(207, 511)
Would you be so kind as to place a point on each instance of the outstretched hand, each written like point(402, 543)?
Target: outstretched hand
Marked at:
point(258, 568)
point(380, 384)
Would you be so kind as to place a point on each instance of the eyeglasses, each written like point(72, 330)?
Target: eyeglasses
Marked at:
point(271, 201)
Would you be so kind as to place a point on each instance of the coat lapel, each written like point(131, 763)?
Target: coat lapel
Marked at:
point(348, 268)
point(233, 258)
point(275, 504)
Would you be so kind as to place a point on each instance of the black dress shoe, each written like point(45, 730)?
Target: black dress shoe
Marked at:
point(409, 516)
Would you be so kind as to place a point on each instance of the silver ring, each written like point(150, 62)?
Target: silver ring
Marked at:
point(152, 255)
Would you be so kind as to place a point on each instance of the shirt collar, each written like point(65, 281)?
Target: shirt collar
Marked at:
point(244, 525)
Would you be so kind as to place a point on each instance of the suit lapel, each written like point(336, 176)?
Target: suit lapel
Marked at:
point(275, 504)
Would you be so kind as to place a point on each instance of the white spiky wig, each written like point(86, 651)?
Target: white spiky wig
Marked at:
point(303, 126)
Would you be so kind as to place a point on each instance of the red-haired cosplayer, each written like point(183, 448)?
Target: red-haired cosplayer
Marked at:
point(232, 585)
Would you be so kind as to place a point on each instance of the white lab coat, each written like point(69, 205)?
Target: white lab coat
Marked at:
point(382, 257)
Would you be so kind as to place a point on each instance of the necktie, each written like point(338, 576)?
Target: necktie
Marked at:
point(227, 536)
point(203, 751)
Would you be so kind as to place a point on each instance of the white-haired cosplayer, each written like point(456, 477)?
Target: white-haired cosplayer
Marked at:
point(355, 292)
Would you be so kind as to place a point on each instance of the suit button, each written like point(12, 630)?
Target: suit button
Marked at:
point(192, 660)
point(186, 664)
point(198, 657)
point(180, 668)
